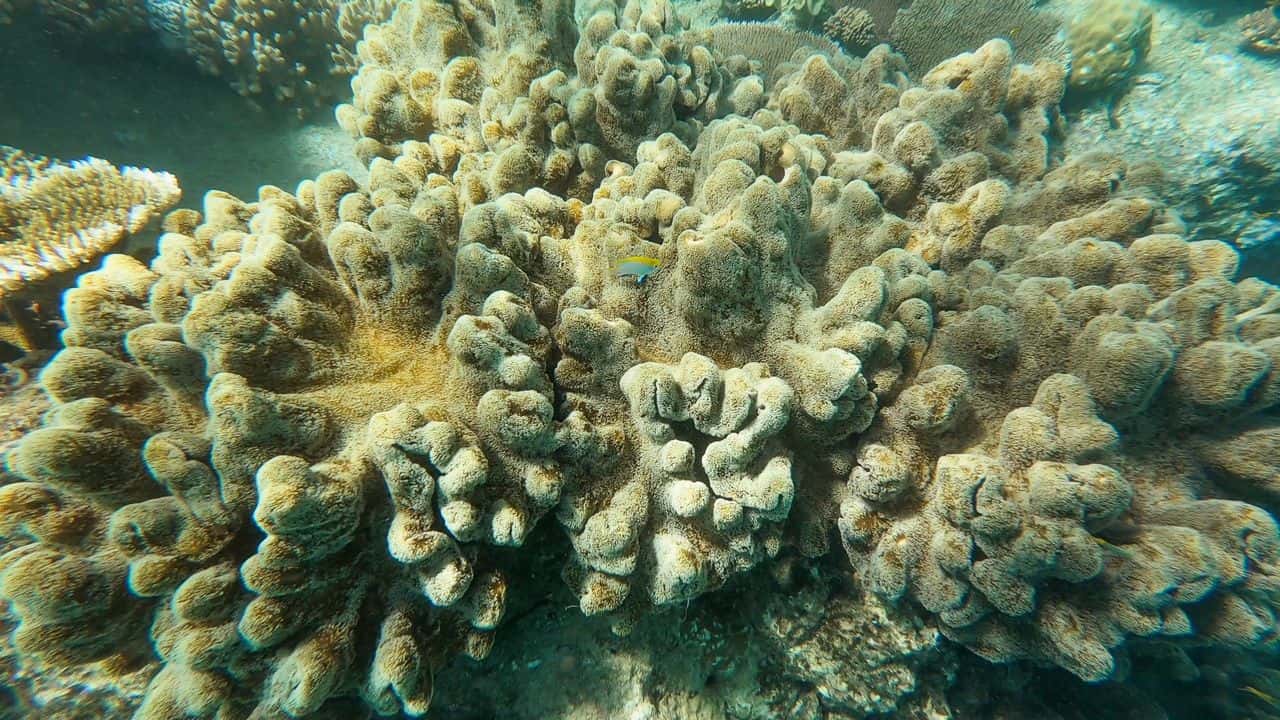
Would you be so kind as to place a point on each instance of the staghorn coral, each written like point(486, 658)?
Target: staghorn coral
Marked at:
point(291, 455)
point(57, 217)
point(1108, 41)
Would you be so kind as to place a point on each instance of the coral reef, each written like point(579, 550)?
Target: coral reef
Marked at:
point(1200, 115)
point(930, 31)
point(293, 456)
point(1261, 31)
point(853, 27)
point(1108, 41)
point(769, 47)
point(794, 13)
point(106, 18)
point(755, 652)
point(298, 52)
point(57, 217)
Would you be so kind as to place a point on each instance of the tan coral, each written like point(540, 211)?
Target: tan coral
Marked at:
point(58, 217)
point(853, 27)
point(1261, 31)
point(1108, 41)
point(928, 32)
point(290, 455)
point(295, 52)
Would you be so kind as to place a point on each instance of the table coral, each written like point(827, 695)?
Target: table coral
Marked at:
point(290, 456)
point(57, 217)
point(930, 31)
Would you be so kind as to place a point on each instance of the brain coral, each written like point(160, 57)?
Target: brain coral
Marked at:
point(289, 455)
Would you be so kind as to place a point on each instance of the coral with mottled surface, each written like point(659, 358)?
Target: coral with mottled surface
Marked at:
point(1108, 41)
point(294, 456)
point(853, 27)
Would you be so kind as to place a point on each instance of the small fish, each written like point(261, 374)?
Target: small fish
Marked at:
point(1265, 697)
point(639, 267)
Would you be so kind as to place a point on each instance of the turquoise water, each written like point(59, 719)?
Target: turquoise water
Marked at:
point(645, 360)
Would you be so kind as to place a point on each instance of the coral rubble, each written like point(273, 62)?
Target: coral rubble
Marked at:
point(292, 456)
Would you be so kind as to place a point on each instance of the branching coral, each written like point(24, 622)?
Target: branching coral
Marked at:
point(296, 52)
point(56, 217)
point(794, 13)
point(289, 454)
point(1261, 31)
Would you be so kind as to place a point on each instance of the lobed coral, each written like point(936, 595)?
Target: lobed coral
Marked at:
point(853, 27)
point(290, 454)
point(1107, 43)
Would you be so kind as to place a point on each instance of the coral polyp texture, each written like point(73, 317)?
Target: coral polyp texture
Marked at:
point(293, 456)
point(58, 217)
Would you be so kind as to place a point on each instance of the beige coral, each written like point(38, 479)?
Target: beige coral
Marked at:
point(1261, 31)
point(296, 52)
point(1108, 41)
point(292, 453)
point(57, 217)
point(853, 27)
point(930, 31)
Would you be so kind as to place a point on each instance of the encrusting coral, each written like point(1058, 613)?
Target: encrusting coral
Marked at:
point(57, 217)
point(288, 454)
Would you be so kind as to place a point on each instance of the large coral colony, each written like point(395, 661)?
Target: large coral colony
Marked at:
point(282, 457)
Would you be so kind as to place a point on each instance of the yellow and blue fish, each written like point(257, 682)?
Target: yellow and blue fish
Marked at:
point(639, 267)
